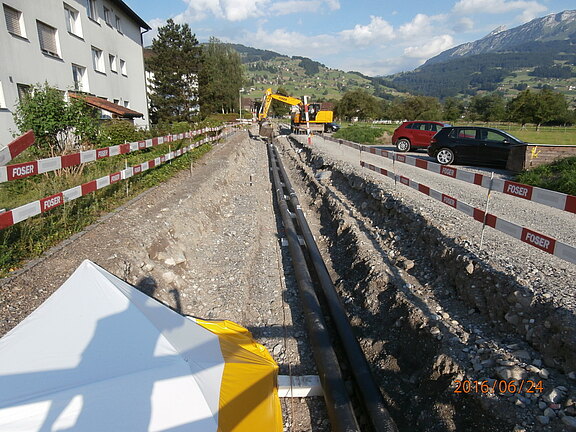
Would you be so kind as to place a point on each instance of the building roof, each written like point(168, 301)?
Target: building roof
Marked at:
point(97, 102)
point(126, 9)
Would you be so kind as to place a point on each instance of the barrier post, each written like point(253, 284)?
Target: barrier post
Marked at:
point(125, 169)
point(394, 170)
point(486, 209)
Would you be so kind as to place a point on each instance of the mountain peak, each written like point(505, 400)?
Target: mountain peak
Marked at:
point(497, 30)
point(559, 26)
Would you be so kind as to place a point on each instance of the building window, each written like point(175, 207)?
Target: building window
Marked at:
point(112, 60)
point(107, 16)
point(23, 91)
point(116, 101)
point(72, 21)
point(98, 60)
point(123, 67)
point(14, 21)
point(80, 78)
point(91, 9)
point(126, 104)
point(48, 40)
point(2, 100)
point(118, 24)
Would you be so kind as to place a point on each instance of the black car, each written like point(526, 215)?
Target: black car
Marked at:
point(331, 127)
point(472, 144)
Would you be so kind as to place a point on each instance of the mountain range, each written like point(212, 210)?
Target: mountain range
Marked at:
point(539, 53)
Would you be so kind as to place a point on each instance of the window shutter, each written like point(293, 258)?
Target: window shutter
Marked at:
point(47, 37)
point(12, 20)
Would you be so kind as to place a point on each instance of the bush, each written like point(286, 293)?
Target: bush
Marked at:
point(558, 176)
point(114, 132)
point(360, 134)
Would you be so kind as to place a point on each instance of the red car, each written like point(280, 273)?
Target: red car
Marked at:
point(415, 134)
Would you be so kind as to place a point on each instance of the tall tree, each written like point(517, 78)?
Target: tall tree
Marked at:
point(220, 78)
point(546, 106)
point(358, 103)
point(174, 64)
point(452, 109)
point(488, 108)
point(418, 108)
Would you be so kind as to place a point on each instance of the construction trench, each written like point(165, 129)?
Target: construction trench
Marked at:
point(430, 315)
point(454, 341)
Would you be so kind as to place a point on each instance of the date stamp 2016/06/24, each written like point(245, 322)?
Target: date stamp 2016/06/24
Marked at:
point(498, 386)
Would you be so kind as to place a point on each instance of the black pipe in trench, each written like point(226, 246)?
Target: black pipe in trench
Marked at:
point(338, 403)
point(368, 389)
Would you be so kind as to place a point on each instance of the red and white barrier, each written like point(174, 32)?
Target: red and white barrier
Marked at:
point(16, 147)
point(41, 166)
point(26, 211)
point(533, 238)
point(545, 197)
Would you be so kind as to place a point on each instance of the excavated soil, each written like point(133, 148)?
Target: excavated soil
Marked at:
point(429, 312)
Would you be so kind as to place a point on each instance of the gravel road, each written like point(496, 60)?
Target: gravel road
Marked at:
point(205, 243)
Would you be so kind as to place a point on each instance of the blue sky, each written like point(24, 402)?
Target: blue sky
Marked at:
point(369, 36)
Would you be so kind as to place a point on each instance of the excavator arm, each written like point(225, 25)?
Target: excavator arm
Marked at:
point(267, 100)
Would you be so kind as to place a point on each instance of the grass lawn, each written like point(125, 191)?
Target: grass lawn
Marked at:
point(557, 135)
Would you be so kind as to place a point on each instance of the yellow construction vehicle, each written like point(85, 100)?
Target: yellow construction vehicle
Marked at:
point(317, 118)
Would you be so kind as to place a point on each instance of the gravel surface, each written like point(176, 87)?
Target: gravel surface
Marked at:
point(205, 243)
point(545, 274)
point(431, 310)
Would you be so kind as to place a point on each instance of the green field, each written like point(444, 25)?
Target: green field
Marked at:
point(556, 135)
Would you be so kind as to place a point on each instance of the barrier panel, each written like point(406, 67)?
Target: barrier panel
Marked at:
point(526, 235)
point(557, 200)
point(27, 211)
point(41, 166)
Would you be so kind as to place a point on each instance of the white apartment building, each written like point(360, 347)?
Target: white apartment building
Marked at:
point(89, 46)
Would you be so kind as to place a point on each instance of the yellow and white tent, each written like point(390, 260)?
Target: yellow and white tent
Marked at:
point(99, 355)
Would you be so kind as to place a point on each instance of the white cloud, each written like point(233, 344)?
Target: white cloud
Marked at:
point(239, 10)
point(293, 43)
point(378, 30)
point(198, 10)
point(430, 49)
point(530, 9)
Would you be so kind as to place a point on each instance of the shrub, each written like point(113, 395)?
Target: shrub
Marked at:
point(558, 176)
point(360, 134)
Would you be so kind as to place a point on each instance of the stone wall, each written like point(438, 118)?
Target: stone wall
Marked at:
point(532, 155)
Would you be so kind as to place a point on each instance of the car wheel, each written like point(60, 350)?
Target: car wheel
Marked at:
point(403, 145)
point(445, 156)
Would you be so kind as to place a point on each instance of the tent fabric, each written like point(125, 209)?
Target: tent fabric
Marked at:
point(249, 374)
point(101, 355)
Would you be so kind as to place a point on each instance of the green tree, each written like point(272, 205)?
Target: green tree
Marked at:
point(174, 64)
point(358, 103)
point(546, 106)
point(418, 108)
point(552, 108)
point(488, 108)
point(58, 125)
point(220, 79)
point(280, 108)
point(452, 109)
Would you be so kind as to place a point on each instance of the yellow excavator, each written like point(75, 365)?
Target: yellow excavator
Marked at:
point(318, 118)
